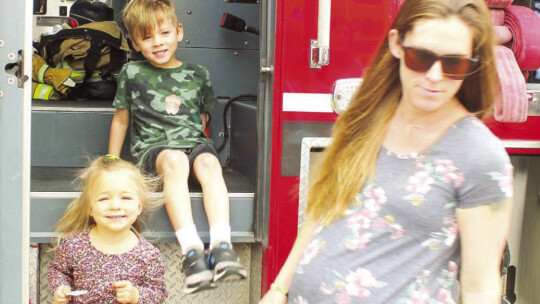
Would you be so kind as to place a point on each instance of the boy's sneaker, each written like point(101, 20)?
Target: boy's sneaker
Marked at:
point(223, 260)
point(197, 275)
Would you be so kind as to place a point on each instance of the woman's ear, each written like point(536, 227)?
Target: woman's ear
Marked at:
point(393, 43)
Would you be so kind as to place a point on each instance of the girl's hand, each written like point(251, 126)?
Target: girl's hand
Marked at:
point(273, 297)
point(60, 294)
point(126, 292)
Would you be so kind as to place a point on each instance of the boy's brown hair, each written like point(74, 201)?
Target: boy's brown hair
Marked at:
point(140, 16)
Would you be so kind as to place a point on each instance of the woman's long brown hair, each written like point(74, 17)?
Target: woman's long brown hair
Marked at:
point(349, 161)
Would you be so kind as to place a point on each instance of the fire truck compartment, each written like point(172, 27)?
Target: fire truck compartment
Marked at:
point(67, 135)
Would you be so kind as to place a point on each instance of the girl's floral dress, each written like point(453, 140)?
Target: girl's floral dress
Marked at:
point(398, 242)
point(81, 266)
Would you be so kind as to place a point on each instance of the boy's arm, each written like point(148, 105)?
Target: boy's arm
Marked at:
point(204, 118)
point(119, 126)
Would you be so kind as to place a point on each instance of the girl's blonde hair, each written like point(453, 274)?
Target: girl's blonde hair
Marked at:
point(358, 133)
point(140, 16)
point(77, 216)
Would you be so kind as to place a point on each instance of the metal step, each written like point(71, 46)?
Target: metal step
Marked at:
point(67, 133)
point(52, 189)
point(239, 292)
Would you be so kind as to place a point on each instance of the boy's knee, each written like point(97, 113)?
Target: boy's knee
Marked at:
point(173, 160)
point(207, 161)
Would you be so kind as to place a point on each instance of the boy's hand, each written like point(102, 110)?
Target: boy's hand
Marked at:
point(126, 292)
point(60, 294)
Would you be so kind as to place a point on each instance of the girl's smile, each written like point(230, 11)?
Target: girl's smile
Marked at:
point(116, 207)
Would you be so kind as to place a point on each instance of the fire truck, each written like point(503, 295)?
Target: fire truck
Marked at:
point(282, 74)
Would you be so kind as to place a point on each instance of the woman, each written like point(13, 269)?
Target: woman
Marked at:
point(414, 192)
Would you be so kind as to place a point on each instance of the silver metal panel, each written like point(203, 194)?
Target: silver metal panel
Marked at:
point(534, 102)
point(528, 265)
point(522, 144)
point(201, 24)
point(243, 139)
point(14, 147)
point(264, 120)
point(217, 129)
point(80, 106)
point(232, 72)
point(33, 266)
point(67, 134)
point(226, 293)
point(255, 275)
point(293, 132)
point(308, 144)
point(46, 210)
point(68, 139)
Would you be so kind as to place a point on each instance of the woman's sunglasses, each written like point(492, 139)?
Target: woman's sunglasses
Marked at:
point(454, 67)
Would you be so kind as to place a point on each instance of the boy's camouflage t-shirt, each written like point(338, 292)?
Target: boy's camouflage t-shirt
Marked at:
point(165, 105)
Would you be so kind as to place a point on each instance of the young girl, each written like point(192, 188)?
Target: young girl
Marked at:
point(101, 258)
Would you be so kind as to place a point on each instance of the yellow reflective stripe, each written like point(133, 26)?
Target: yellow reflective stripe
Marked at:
point(41, 73)
point(96, 76)
point(77, 77)
point(38, 88)
point(42, 91)
point(77, 74)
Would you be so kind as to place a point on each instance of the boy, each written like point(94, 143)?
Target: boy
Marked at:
point(166, 101)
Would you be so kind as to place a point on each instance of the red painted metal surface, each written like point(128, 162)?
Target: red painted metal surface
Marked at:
point(312, 117)
point(528, 130)
point(357, 29)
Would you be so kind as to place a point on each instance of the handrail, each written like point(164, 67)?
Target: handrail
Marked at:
point(320, 48)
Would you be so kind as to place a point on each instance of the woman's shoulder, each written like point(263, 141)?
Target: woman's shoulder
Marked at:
point(470, 132)
point(472, 142)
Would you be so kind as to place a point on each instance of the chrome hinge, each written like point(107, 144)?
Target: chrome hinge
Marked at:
point(266, 69)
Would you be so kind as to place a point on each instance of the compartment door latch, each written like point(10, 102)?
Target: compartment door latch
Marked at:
point(16, 68)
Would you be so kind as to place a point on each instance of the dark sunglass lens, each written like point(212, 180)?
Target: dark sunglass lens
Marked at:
point(419, 60)
point(458, 66)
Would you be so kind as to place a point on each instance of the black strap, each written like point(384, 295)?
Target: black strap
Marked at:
point(92, 59)
point(98, 40)
point(83, 33)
